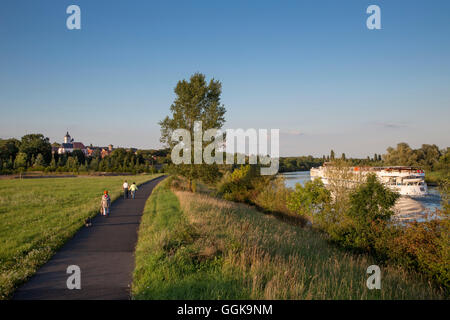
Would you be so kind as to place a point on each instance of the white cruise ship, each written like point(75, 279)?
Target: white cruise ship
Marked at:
point(407, 181)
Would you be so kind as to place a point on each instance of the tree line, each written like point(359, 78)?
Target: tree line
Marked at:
point(428, 157)
point(33, 152)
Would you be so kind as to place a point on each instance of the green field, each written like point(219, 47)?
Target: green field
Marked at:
point(37, 216)
point(193, 246)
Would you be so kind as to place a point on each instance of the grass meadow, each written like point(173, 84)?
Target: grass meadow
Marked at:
point(193, 246)
point(37, 216)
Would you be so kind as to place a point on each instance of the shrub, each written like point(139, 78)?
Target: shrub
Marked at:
point(238, 185)
point(178, 183)
point(361, 219)
point(310, 199)
point(354, 218)
point(423, 246)
point(370, 210)
point(273, 196)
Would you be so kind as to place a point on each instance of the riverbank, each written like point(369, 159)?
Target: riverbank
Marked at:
point(194, 246)
point(406, 206)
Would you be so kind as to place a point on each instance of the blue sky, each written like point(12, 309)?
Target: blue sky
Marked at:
point(310, 68)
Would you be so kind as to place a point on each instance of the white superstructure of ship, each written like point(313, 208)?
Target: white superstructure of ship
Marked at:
point(407, 181)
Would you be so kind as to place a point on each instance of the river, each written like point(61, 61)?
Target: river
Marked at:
point(431, 201)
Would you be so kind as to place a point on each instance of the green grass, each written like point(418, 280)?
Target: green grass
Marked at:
point(37, 216)
point(194, 246)
point(168, 266)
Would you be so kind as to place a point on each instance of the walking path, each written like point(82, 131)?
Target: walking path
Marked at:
point(104, 252)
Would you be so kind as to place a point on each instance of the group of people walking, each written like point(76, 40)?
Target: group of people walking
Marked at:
point(129, 189)
point(106, 200)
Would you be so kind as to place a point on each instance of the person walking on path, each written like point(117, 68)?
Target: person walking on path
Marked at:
point(106, 203)
point(105, 255)
point(125, 190)
point(133, 189)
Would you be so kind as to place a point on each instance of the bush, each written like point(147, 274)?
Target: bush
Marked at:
point(237, 186)
point(362, 220)
point(325, 211)
point(356, 220)
point(424, 247)
point(273, 196)
point(311, 199)
point(370, 210)
point(178, 183)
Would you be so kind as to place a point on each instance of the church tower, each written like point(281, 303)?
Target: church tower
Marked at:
point(67, 138)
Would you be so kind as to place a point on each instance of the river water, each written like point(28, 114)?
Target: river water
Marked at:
point(431, 201)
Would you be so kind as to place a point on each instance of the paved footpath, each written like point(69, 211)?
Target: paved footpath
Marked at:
point(104, 252)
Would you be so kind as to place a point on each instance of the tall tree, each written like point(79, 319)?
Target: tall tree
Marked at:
point(20, 163)
point(9, 148)
point(79, 155)
point(196, 100)
point(33, 144)
point(332, 155)
point(39, 162)
point(428, 156)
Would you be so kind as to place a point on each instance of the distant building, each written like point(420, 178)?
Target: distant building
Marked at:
point(68, 146)
point(103, 151)
point(106, 151)
point(90, 151)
